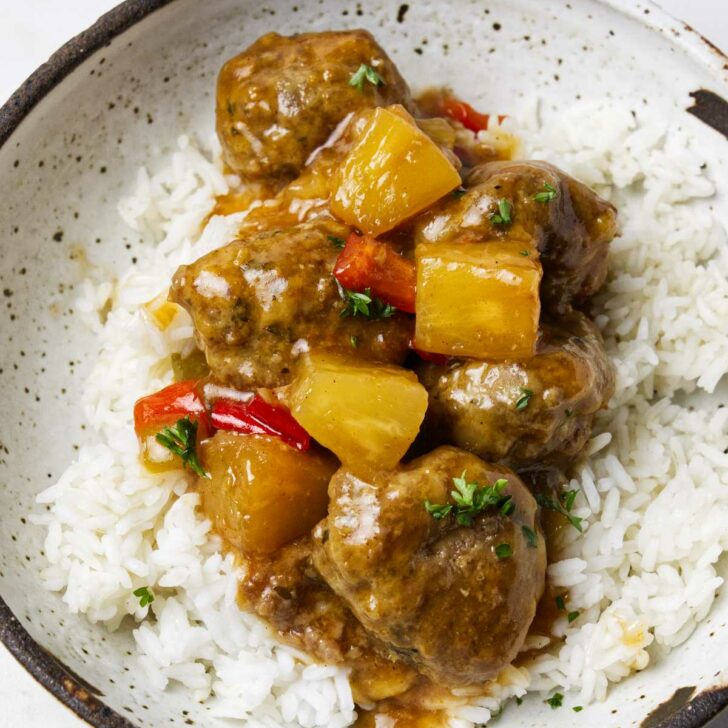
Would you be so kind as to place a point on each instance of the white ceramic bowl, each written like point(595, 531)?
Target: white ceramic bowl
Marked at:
point(72, 139)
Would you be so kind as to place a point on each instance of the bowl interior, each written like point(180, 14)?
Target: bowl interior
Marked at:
point(63, 170)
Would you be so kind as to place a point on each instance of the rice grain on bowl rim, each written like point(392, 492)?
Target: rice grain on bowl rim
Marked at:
point(653, 492)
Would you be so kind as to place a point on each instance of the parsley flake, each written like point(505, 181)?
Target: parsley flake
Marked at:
point(525, 253)
point(548, 194)
point(144, 594)
point(354, 340)
point(560, 603)
point(572, 616)
point(364, 304)
point(458, 192)
point(578, 708)
point(519, 701)
point(470, 500)
point(524, 399)
point(338, 243)
point(569, 497)
point(550, 504)
point(503, 216)
point(555, 701)
point(503, 551)
point(530, 535)
point(365, 73)
point(181, 439)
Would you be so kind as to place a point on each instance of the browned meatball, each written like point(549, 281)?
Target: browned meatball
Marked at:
point(572, 231)
point(283, 96)
point(260, 302)
point(523, 412)
point(455, 600)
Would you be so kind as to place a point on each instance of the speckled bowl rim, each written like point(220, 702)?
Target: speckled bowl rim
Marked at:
point(709, 709)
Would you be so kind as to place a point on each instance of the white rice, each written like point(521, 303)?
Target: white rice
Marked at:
point(653, 493)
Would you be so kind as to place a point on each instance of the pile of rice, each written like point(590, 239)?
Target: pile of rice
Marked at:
point(653, 493)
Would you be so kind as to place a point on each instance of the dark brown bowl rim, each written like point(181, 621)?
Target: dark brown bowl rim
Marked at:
point(706, 710)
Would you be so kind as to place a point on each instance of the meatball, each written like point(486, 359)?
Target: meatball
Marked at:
point(522, 412)
point(260, 302)
point(454, 600)
point(570, 225)
point(283, 96)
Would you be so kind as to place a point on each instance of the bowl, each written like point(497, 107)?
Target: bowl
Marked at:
point(117, 96)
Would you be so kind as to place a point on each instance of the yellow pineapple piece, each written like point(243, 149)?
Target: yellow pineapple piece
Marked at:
point(392, 172)
point(478, 299)
point(368, 414)
point(161, 311)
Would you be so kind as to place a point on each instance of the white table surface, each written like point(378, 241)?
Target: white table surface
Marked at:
point(30, 30)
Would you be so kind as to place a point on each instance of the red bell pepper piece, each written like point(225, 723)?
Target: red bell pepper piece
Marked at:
point(466, 114)
point(168, 405)
point(428, 355)
point(258, 417)
point(367, 263)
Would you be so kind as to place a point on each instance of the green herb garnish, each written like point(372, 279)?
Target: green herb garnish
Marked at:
point(365, 73)
point(577, 708)
point(572, 616)
point(525, 253)
point(560, 603)
point(519, 701)
point(181, 439)
point(470, 500)
point(569, 497)
point(365, 304)
point(524, 399)
point(503, 216)
point(508, 506)
point(530, 535)
point(338, 243)
point(548, 194)
point(354, 340)
point(458, 192)
point(555, 701)
point(550, 504)
point(144, 594)
point(503, 551)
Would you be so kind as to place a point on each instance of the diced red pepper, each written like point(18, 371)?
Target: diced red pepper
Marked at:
point(168, 405)
point(258, 417)
point(367, 263)
point(466, 114)
point(438, 359)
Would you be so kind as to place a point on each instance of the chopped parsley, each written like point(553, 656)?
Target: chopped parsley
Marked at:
point(525, 253)
point(577, 708)
point(519, 701)
point(530, 535)
point(144, 594)
point(458, 192)
point(354, 340)
point(503, 216)
point(560, 603)
point(569, 497)
point(572, 616)
point(181, 439)
point(503, 551)
point(552, 505)
point(365, 73)
point(548, 194)
point(555, 701)
point(365, 304)
point(338, 243)
point(524, 399)
point(470, 500)
point(508, 506)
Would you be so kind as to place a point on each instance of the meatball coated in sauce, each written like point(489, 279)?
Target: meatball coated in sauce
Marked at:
point(282, 97)
point(519, 413)
point(433, 591)
point(569, 224)
point(260, 302)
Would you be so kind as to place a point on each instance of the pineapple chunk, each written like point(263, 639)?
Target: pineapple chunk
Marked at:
point(161, 311)
point(478, 299)
point(393, 172)
point(261, 493)
point(368, 414)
